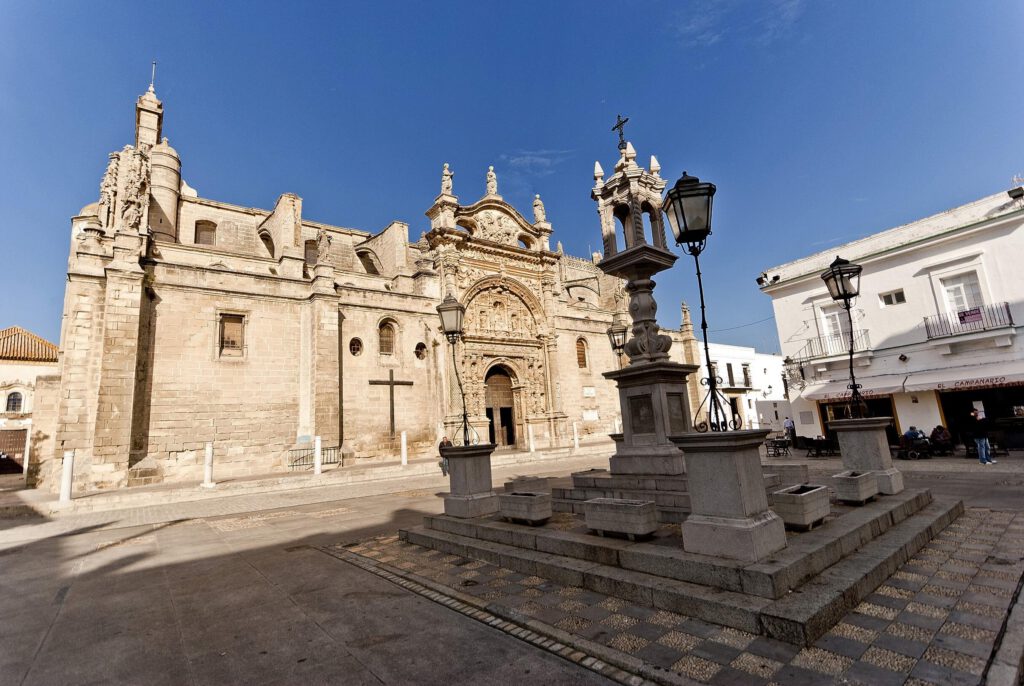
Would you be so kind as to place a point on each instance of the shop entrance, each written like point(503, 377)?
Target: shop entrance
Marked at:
point(1003, 406)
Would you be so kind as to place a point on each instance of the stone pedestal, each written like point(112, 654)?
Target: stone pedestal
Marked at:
point(729, 509)
point(865, 448)
point(469, 471)
point(654, 406)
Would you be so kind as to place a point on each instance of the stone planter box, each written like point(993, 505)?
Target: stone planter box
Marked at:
point(613, 515)
point(802, 505)
point(532, 508)
point(855, 487)
point(528, 484)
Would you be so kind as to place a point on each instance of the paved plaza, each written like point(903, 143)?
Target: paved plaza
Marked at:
point(312, 586)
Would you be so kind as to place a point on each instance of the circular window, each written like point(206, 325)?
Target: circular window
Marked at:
point(355, 346)
point(421, 351)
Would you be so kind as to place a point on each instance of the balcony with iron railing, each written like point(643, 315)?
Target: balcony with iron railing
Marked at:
point(833, 345)
point(974, 320)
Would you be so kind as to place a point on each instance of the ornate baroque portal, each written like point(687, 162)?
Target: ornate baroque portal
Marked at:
point(500, 267)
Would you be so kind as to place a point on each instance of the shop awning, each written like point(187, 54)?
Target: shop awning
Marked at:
point(871, 386)
point(968, 378)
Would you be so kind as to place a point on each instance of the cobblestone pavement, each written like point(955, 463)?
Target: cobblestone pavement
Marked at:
point(935, 621)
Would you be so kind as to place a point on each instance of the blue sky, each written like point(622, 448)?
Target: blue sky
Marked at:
point(819, 121)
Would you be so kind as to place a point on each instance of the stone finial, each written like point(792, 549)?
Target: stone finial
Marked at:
point(598, 172)
point(596, 257)
point(629, 154)
point(492, 181)
point(446, 180)
point(539, 213)
point(655, 166)
point(559, 249)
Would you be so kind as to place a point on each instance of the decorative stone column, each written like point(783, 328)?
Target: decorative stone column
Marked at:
point(469, 470)
point(865, 448)
point(729, 508)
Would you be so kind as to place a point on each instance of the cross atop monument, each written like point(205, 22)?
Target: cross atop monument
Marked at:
point(620, 125)
point(152, 78)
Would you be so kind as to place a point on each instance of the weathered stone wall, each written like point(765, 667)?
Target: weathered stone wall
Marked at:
point(248, 406)
point(44, 430)
point(418, 408)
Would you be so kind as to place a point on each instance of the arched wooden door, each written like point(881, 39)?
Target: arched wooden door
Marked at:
point(500, 407)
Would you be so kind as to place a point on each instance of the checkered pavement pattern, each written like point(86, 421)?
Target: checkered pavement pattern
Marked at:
point(935, 621)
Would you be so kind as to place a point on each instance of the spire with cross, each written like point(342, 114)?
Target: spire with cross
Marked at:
point(620, 125)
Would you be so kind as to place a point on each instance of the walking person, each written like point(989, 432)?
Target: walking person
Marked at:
point(790, 427)
point(443, 463)
point(980, 430)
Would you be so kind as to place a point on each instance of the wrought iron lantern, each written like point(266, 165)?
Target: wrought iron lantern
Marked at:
point(688, 207)
point(617, 333)
point(843, 280)
point(452, 314)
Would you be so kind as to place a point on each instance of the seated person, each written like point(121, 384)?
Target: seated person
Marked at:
point(941, 438)
point(914, 437)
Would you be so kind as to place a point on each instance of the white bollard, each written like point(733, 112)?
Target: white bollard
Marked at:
point(66, 476)
point(405, 451)
point(529, 434)
point(318, 456)
point(575, 437)
point(208, 466)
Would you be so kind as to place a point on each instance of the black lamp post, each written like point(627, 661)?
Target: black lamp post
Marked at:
point(617, 336)
point(843, 280)
point(452, 313)
point(688, 208)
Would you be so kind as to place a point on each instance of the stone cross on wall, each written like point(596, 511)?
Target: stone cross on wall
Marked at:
point(391, 383)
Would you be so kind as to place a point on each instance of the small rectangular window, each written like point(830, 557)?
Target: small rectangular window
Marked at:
point(893, 298)
point(232, 335)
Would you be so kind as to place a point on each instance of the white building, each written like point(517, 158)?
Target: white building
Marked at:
point(752, 383)
point(23, 358)
point(934, 327)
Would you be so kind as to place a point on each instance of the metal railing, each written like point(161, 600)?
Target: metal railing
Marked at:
point(302, 458)
point(827, 346)
point(982, 318)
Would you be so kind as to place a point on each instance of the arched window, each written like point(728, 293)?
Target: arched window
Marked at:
point(525, 242)
point(369, 264)
point(581, 353)
point(268, 244)
point(14, 402)
point(206, 233)
point(386, 338)
point(311, 253)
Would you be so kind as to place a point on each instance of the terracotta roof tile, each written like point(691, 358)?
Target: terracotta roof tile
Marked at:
point(18, 344)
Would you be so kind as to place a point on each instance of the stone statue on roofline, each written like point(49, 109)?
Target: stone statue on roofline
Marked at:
point(446, 180)
point(108, 191)
point(492, 181)
point(323, 247)
point(539, 213)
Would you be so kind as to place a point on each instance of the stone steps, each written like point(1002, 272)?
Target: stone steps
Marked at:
point(795, 596)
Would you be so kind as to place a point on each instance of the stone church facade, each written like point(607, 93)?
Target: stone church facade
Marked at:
point(188, 320)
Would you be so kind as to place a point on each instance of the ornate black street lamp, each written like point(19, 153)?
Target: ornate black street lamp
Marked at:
point(452, 313)
point(617, 333)
point(843, 280)
point(688, 208)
